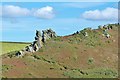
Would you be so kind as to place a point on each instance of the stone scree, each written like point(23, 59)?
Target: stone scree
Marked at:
point(39, 41)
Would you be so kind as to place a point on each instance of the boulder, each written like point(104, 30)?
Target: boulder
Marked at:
point(19, 53)
point(110, 27)
point(30, 48)
point(106, 34)
point(48, 34)
point(105, 27)
point(85, 34)
point(36, 47)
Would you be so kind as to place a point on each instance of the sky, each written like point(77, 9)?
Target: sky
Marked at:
point(20, 20)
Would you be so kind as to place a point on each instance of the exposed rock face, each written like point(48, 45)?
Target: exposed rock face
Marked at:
point(48, 34)
point(39, 41)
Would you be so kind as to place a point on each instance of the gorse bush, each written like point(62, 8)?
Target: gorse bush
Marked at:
point(43, 59)
point(40, 50)
point(6, 67)
point(90, 61)
point(12, 54)
point(57, 39)
point(36, 57)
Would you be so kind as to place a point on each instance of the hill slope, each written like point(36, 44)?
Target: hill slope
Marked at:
point(74, 56)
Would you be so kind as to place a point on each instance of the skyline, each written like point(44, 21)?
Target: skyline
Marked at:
point(64, 18)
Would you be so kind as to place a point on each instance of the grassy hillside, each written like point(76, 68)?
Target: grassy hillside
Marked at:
point(73, 56)
point(12, 46)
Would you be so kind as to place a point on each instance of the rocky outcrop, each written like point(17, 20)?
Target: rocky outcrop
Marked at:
point(48, 34)
point(39, 41)
point(105, 29)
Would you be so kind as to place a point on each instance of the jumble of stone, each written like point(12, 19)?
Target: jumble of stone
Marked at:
point(105, 28)
point(37, 44)
point(48, 34)
point(106, 34)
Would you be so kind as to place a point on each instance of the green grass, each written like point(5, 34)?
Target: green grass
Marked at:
point(6, 67)
point(12, 46)
point(92, 73)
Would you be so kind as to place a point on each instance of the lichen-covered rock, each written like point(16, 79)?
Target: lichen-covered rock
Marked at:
point(48, 34)
point(19, 53)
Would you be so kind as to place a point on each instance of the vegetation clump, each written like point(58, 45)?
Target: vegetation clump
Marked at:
point(6, 67)
point(90, 61)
